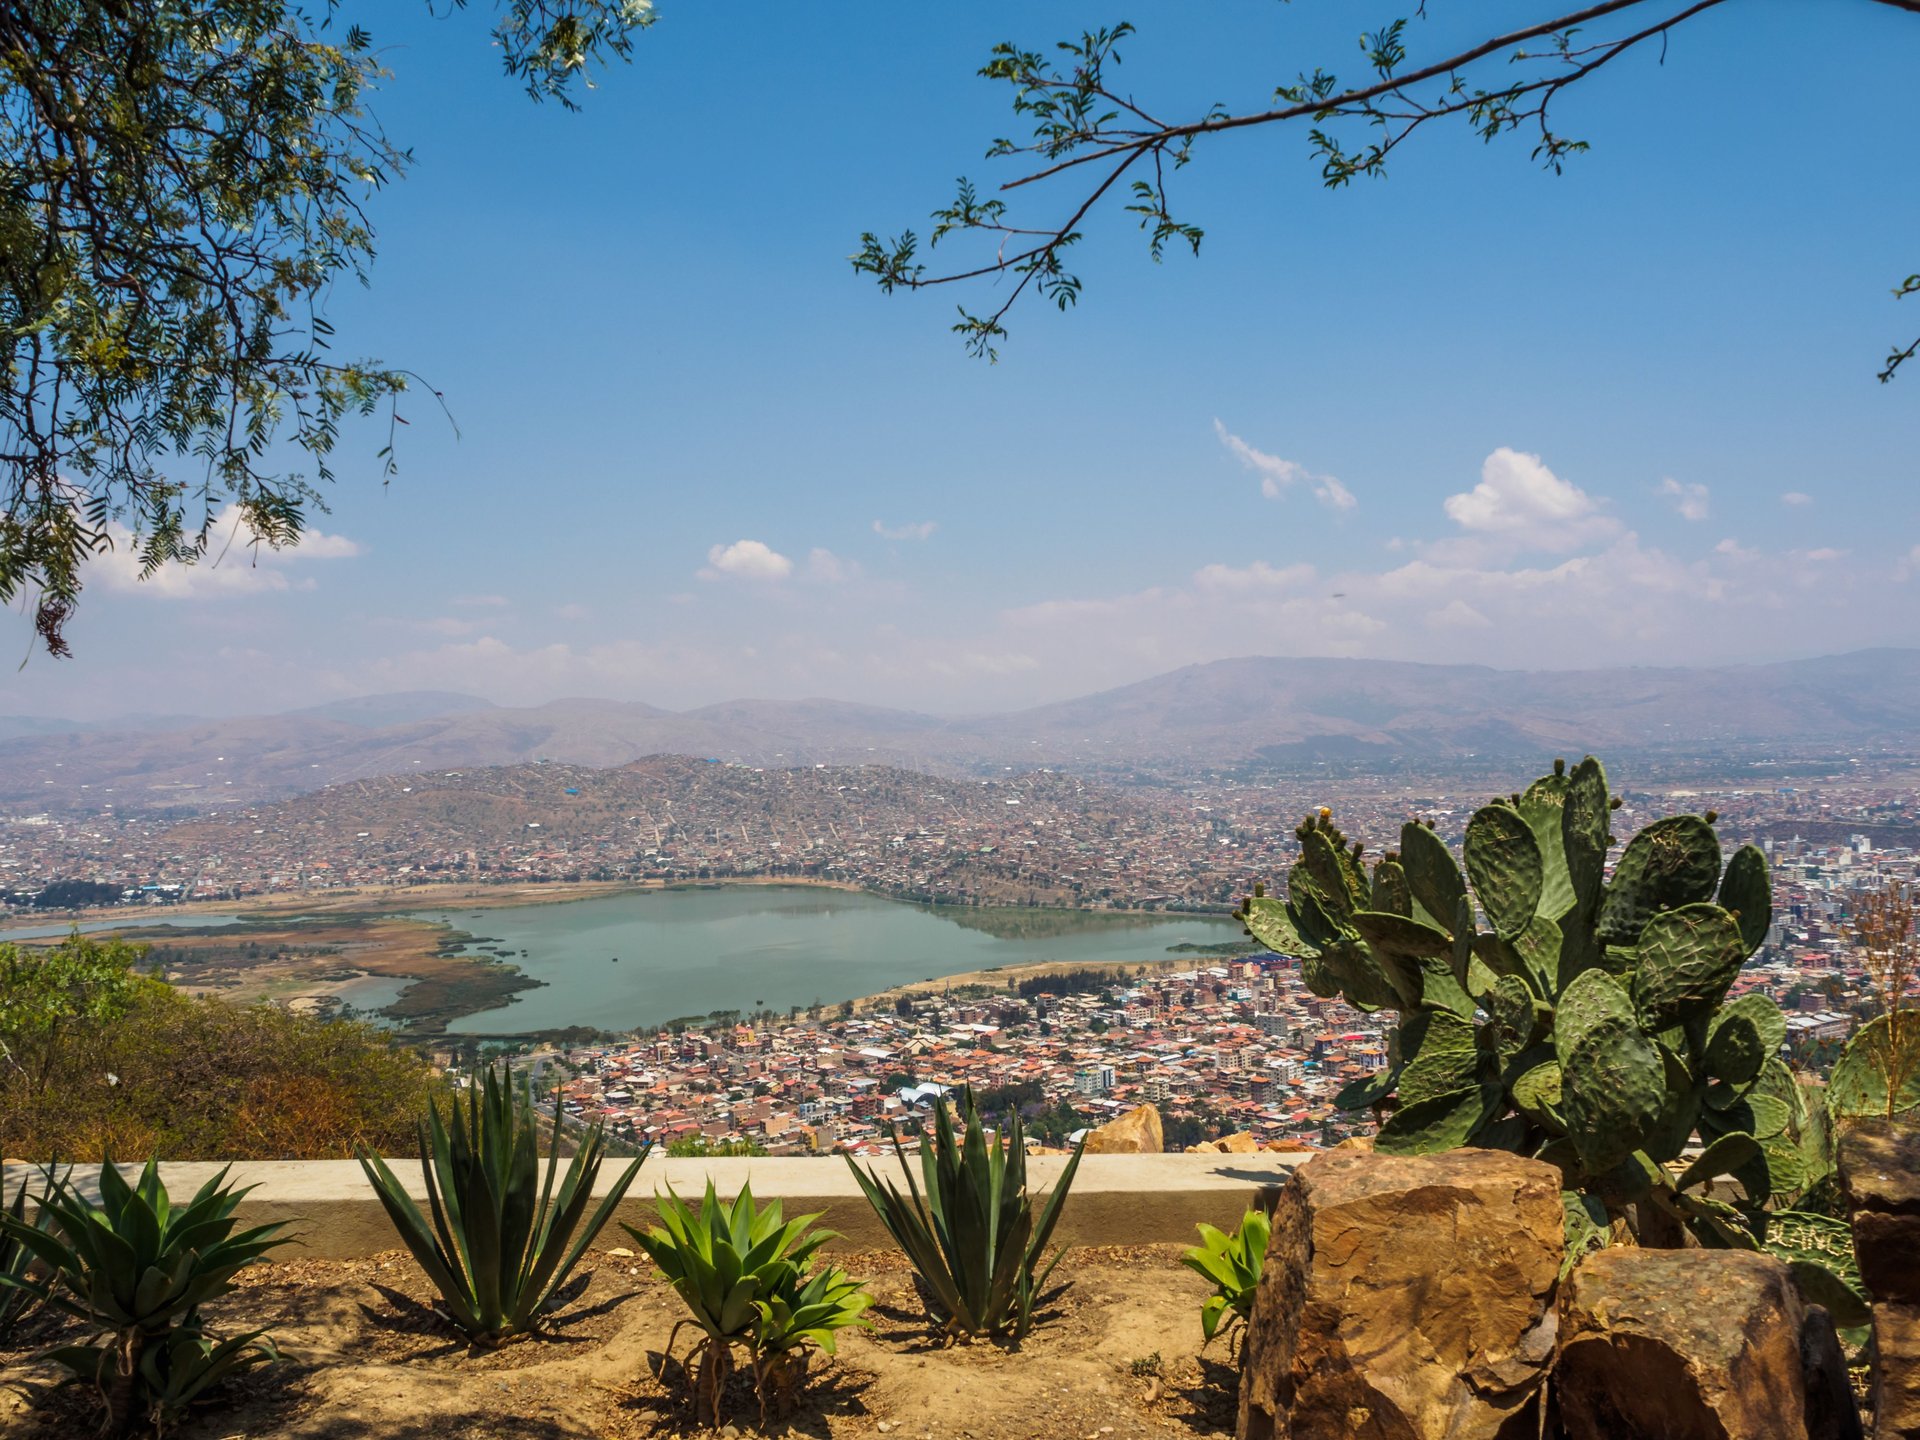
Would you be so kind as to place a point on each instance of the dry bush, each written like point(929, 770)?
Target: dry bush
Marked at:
point(177, 1077)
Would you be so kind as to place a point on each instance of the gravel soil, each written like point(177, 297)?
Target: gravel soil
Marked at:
point(1115, 1353)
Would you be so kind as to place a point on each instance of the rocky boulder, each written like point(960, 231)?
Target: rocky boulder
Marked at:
point(1696, 1345)
point(1135, 1133)
point(1896, 1372)
point(1879, 1164)
point(1406, 1297)
point(1239, 1144)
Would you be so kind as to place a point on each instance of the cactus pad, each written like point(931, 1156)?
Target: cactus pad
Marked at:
point(1266, 919)
point(1612, 1089)
point(1722, 1157)
point(1440, 1056)
point(1504, 862)
point(1399, 936)
point(1747, 890)
point(1390, 890)
point(1445, 1122)
point(1673, 862)
point(1591, 998)
point(1688, 958)
point(1432, 876)
point(1743, 1035)
point(1544, 807)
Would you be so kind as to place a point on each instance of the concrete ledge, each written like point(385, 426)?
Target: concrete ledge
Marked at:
point(1116, 1199)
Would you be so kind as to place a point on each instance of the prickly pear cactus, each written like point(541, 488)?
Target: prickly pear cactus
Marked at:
point(1548, 1009)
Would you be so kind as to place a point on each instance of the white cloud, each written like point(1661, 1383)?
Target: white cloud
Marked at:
point(826, 566)
point(482, 602)
point(315, 545)
point(1824, 554)
point(1332, 494)
point(1257, 576)
point(1278, 475)
point(746, 560)
point(1689, 499)
point(1734, 550)
point(1457, 615)
point(1796, 497)
point(916, 530)
point(1521, 501)
point(572, 611)
point(235, 563)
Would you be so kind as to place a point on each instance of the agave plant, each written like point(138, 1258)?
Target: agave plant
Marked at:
point(16, 1297)
point(501, 1241)
point(173, 1371)
point(1233, 1263)
point(973, 1237)
point(136, 1269)
point(793, 1315)
point(721, 1259)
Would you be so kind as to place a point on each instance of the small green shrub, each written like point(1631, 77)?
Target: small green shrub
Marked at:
point(500, 1242)
point(135, 1270)
point(974, 1238)
point(740, 1269)
point(1233, 1263)
point(795, 1314)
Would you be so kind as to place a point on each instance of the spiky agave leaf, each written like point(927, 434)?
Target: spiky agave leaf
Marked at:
point(973, 1236)
point(135, 1269)
point(499, 1241)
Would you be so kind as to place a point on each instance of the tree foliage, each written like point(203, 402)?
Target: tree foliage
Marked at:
point(181, 184)
point(1089, 138)
point(98, 1057)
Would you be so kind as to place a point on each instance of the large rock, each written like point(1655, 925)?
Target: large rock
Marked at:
point(1135, 1133)
point(1405, 1298)
point(1880, 1174)
point(1695, 1345)
point(1832, 1411)
point(1896, 1372)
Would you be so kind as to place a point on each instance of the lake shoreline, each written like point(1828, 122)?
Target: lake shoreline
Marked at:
point(383, 932)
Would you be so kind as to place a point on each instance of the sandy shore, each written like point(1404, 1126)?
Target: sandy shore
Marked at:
point(382, 899)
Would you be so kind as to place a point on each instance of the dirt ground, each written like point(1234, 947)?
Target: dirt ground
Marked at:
point(1115, 1353)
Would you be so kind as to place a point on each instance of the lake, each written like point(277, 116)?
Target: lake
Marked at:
point(146, 920)
point(690, 952)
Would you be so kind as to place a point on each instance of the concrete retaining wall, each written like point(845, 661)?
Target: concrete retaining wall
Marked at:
point(1116, 1199)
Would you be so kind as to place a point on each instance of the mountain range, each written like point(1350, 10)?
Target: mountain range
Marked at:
point(1253, 711)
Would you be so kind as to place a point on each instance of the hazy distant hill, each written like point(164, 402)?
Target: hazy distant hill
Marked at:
point(1232, 709)
point(377, 711)
point(1225, 712)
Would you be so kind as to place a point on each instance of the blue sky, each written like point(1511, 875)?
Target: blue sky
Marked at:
point(1469, 413)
